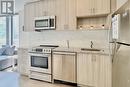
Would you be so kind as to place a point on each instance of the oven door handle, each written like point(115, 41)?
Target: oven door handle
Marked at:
point(38, 54)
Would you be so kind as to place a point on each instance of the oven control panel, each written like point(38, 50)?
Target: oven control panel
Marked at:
point(41, 50)
point(46, 50)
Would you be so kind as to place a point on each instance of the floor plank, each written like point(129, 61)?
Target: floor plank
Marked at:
point(26, 82)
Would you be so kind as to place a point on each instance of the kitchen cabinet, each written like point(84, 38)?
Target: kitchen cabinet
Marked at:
point(102, 7)
point(32, 10)
point(29, 15)
point(37, 9)
point(92, 7)
point(93, 70)
point(72, 14)
point(64, 10)
point(64, 66)
point(23, 61)
point(85, 69)
point(65, 14)
point(84, 7)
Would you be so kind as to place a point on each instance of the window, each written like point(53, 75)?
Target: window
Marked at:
point(15, 35)
point(2, 31)
point(9, 30)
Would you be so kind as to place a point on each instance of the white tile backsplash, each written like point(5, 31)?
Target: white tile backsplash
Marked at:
point(76, 38)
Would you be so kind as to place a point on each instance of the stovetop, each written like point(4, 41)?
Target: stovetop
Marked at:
point(44, 48)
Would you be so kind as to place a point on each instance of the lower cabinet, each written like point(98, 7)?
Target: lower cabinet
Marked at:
point(85, 69)
point(93, 70)
point(64, 66)
point(23, 61)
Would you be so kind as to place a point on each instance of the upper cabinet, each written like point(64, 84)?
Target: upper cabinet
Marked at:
point(92, 7)
point(32, 10)
point(37, 9)
point(65, 14)
point(84, 7)
point(101, 7)
point(29, 14)
point(64, 10)
point(68, 13)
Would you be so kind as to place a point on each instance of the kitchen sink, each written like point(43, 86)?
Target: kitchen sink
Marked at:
point(90, 49)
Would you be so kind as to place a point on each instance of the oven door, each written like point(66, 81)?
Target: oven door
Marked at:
point(40, 62)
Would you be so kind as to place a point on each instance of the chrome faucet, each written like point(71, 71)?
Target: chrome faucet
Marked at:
point(68, 43)
point(91, 44)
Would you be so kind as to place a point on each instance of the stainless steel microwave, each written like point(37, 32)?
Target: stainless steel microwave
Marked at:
point(45, 23)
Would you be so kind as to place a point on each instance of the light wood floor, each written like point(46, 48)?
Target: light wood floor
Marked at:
point(26, 82)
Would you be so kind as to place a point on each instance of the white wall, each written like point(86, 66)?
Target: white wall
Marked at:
point(19, 4)
point(76, 38)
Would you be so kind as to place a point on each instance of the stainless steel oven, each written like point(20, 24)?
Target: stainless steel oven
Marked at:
point(40, 62)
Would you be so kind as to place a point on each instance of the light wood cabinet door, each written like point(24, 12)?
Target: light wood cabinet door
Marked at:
point(71, 13)
point(92, 7)
point(84, 7)
point(61, 21)
point(85, 69)
point(39, 9)
point(101, 7)
point(51, 9)
point(29, 15)
point(64, 67)
point(65, 14)
point(94, 70)
point(102, 70)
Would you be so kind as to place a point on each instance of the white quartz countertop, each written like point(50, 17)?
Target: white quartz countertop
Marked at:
point(78, 50)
